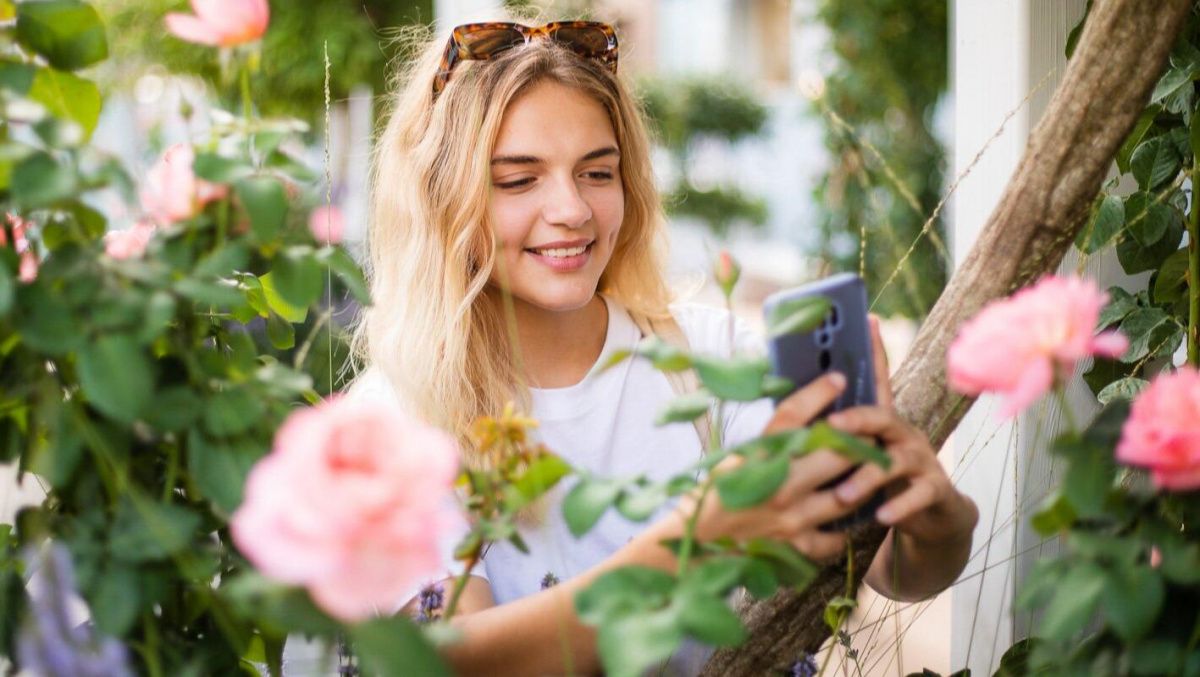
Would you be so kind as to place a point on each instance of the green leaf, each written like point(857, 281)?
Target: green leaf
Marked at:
point(638, 503)
point(752, 482)
point(587, 501)
point(1156, 656)
point(232, 411)
point(279, 608)
point(686, 408)
point(631, 644)
point(266, 203)
point(1107, 220)
point(1147, 218)
point(298, 278)
point(1143, 125)
point(622, 591)
point(395, 646)
point(1136, 258)
point(157, 316)
point(1072, 602)
point(1089, 476)
point(58, 459)
point(210, 292)
point(824, 436)
point(1145, 328)
point(68, 97)
point(759, 579)
point(39, 181)
point(175, 408)
point(68, 33)
point(1155, 162)
point(663, 355)
point(738, 378)
point(220, 469)
point(224, 262)
point(541, 476)
point(797, 315)
point(1124, 389)
point(1132, 601)
point(1015, 661)
point(220, 169)
point(280, 332)
point(145, 530)
point(1056, 516)
point(836, 611)
point(8, 286)
point(1171, 81)
point(290, 312)
point(710, 620)
point(115, 601)
point(342, 265)
point(1170, 284)
point(117, 376)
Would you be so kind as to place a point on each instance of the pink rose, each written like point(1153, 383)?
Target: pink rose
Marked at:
point(28, 268)
point(326, 224)
point(1018, 346)
point(172, 192)
point(1162, 432)
point(223, 23)
point(349, 504)
point(129, 243)
point(726, 272)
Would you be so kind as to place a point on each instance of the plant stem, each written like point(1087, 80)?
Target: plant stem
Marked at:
point(460, 584)
point(689, 530)
point(1193, 332)
point(172, 472)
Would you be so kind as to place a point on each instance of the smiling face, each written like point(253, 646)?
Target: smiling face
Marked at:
point(557, 201)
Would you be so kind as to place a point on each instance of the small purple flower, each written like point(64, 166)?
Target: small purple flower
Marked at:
point(549, 580)
point(430, 601)
point(49, 642)
point(805, 667)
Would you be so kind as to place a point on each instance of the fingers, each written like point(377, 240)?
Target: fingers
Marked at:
point(821, 546)
point(883, 381)
point(803, 405)
point(807, 473)
point(922, 493)
point(880, 422)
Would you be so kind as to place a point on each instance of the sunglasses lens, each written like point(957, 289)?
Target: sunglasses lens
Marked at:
point(587, 41)
point(485, 42)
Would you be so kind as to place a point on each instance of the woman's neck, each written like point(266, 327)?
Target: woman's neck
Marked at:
point(559, 348)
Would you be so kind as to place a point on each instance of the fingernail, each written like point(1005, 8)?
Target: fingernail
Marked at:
point(835, 420)
point(847, 491)
point(837, 380)
point(884, 515)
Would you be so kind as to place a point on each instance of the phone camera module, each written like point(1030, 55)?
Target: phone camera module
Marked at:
point(835, 317)
point(823, 337)
point(824, 359)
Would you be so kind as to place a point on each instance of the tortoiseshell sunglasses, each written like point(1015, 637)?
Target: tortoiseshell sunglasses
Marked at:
point(482, 41)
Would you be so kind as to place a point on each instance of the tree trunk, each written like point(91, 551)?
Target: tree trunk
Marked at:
point(1121, 54)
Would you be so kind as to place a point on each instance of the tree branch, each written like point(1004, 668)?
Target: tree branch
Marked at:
point(1121, 54)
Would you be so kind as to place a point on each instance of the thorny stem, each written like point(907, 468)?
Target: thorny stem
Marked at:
point(1193, 332)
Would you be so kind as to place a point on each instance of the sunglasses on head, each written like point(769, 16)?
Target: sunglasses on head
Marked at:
point(482, 41)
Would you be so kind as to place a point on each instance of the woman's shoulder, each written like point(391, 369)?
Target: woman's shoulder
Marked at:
point(707, 328)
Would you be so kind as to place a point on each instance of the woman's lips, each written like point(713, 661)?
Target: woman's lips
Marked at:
point(562, 264)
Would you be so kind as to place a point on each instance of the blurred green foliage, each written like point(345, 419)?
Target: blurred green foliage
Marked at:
point(291, 81)
point(685, 110)
point(890, 72)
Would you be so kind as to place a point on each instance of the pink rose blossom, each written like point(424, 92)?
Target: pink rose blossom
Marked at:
point(349, 504)
point(172, 192)
point(326, 224)
point(129, 243)
point(1162, 432)
point(28, 267)
point(223, 23)
point(1018, 346)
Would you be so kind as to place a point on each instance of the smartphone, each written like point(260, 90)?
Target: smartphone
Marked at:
point(842, 343)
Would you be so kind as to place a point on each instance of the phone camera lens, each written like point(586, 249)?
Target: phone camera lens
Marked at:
point(824, 338)
point(824, 359)
point(835, 318)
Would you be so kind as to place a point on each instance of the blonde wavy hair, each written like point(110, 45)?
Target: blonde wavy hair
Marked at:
point(444, 345)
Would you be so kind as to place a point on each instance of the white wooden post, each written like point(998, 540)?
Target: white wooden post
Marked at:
point(1007, 60)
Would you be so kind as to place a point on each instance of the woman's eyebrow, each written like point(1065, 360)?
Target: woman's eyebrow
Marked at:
point(532, 160)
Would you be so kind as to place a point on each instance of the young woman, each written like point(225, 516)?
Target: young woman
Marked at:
point(514, 173)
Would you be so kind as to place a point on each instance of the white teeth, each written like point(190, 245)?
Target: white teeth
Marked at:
point(561, 253)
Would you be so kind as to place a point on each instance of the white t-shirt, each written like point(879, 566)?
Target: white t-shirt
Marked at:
point(604, 425)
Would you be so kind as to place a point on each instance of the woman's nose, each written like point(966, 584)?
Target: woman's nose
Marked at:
point(565, 206)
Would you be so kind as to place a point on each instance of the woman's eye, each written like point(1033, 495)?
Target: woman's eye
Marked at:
point(517, 183)
point(599, 175)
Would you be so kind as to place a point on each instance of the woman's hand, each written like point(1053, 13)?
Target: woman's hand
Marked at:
point(922, 503)
point(799, 507)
